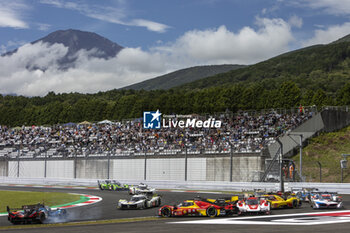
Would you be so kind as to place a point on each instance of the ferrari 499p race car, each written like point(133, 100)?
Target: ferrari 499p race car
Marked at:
point(141, 189)
point(200, 207)
point(112, 185)
point(38, 213)
point(326, 201)
point(253, 205)
point(140, 201)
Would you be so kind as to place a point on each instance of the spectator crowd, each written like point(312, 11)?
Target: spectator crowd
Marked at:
point(242, 132)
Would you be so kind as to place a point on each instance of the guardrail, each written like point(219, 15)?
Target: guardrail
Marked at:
point(343, 188)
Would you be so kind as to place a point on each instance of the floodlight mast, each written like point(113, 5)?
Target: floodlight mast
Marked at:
point(280, 161)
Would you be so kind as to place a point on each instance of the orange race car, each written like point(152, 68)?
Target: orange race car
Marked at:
point(201, 207)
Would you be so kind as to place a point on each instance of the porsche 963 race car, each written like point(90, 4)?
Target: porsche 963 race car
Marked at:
point(38, 213)
point(253, 205)
point(140, 201)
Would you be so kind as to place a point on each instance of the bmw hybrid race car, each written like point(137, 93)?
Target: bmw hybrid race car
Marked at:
point(253, 205)
point(326, 201)
point(38, 213)
point(112, 185)
point(140, 201)
point(200, 207)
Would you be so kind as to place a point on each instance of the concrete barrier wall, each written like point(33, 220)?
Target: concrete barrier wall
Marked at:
point(3, 168)
point(92, 168)
point(197, 169)
point(214, 168)
point(165, 169)
point(60, 169)
point(31, 169)
point(127, 169)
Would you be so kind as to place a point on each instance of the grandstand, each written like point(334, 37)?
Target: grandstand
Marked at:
point(237, 151)
point(241, 133)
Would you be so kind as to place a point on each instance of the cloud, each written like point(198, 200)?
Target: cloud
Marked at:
point(10, 45)
point(11, 14)
point(43, 26)
point(197, 47)
point(116, 15)
point(333, 7)
point(218, 46)
point(330, 34)
point(295, 21)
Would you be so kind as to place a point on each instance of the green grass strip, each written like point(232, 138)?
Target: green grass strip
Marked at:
point(16, 199)
point(85, 223)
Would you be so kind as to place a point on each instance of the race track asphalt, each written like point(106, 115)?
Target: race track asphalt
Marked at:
point(106, 209)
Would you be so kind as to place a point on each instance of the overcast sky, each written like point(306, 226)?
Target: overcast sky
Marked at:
point(159, 36)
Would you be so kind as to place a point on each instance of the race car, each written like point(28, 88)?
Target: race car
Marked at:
point(304, 194)
point(287, 201)
point(253, 205)
point(141, 189)
point(140, 201)
point(326, 201)
point(199, 207)
point(112, 185)
point(38, 213)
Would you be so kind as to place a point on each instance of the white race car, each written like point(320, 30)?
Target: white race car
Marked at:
point(326, 201)
point(253, 205)
point(141, 189)
point(140, 201)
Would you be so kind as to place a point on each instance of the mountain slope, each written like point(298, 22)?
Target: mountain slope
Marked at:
point(303, 66)
point(183, 76)
point(77, 40)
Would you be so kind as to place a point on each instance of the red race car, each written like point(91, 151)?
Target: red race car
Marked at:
point(200, 207)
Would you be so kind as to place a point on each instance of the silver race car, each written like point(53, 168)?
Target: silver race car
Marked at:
point(140, 201)
point(141, 189)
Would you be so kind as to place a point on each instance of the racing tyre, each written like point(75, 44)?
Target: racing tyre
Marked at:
point(101, 187)
point(295, 204)
point(42, 218)
point(166, 212)
point(159, 202)
point(212, 212)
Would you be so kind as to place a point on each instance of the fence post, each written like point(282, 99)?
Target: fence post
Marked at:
point(108, 163)
point(185, 163)
point(75, 165)
point(45, 169)
point(231, 166)
point(145, 168)
point(18, 162)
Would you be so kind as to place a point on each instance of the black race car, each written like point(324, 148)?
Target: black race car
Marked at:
point(38, 213)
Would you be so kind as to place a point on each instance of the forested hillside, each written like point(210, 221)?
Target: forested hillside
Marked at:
point(318, 75)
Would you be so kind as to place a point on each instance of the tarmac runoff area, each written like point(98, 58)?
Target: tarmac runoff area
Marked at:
point(104, 217)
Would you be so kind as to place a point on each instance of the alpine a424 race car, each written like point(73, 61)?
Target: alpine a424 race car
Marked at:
point(141, 189)
point(34, 214)
point(140, 201)
point(326, 201)
point(253, 205)
point(112, 185)
point(200, 207)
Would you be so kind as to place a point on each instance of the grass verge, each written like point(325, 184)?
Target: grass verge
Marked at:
point(16, 199)
point(326, 149)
